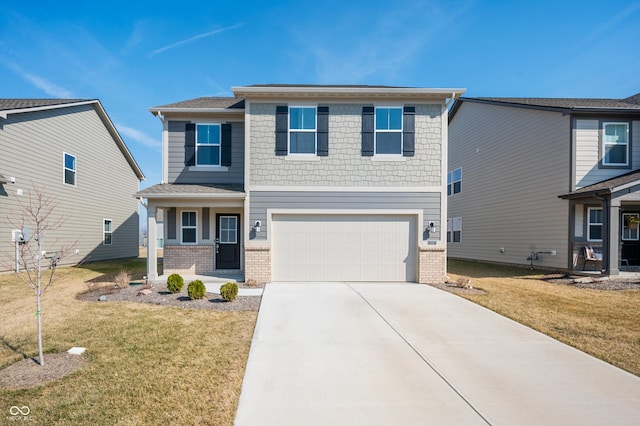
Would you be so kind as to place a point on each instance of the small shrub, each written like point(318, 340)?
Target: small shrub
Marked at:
point(464, 282)
point(229, 291)
point(175, 282)
point(251, 282)
point(196, 290)
point(122, 279)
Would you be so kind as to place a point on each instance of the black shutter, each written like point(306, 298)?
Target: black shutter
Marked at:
point(171, 224)
point(190, 144)
point(323, 131)
point(282, 128)
point(368, 124)
point(225, 159)
point(205, 223)
point(408, 131)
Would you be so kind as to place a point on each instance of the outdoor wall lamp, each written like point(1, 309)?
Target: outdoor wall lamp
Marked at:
point(256, 227)
point(432, 226)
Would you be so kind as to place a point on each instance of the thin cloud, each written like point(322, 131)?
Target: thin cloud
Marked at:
point(43, 84)
point(192, 39)
point(138, 136)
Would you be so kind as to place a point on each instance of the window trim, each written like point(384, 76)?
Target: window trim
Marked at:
point(105, 232)
point(183, 227)
point(314, 131)
point(604, 144)
point(376, 130)
point(64, 169)
point(589, 224)
point(452, 224)
point(219, 145)
point(622, 236)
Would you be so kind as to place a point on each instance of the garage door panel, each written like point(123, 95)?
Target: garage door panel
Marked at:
point(343, 248)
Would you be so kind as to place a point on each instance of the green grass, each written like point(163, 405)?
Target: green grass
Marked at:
point(605, 324)
point(147, 364)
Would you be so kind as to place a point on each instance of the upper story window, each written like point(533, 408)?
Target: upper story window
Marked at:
point(389, 130)
point(208, 145)
point(615, 144)
point(69, 169)
point(302, 130)
point(594, 224)
point(454, 181)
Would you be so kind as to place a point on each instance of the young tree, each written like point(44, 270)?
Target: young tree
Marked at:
point(36, 217)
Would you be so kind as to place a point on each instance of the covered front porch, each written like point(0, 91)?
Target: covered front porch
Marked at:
point(201, 226)
point(604, 222)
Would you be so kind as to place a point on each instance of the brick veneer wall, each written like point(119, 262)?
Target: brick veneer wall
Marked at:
point(433, 263)
point(188, 260)
point(257, 261)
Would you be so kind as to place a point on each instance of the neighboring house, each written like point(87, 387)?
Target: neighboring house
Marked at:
point(545, 181)
point(70, 149)
point(304, 183)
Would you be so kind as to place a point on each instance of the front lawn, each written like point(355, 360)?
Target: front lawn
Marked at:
point(603, 323)
point(147, 364)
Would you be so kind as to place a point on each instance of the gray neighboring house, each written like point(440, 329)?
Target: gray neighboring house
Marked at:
point(71, 150)
point(304, 183)
point(545, 181)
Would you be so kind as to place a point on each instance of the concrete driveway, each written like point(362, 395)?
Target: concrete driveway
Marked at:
point(409, 354)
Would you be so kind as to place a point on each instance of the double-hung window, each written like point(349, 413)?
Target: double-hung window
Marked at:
point(388, 138)
point(615, 144)
point(454, 230)
point(69, 169)
point(454, 181)
point(302, 130)
point(594, 224)
point(107, 232)
point(189, 227)
point(208, 145)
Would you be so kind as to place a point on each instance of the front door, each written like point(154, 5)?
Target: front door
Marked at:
point(630, 239)
point(227, 241)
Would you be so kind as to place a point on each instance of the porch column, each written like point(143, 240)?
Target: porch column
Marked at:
point(152, 241)
point(614, 238)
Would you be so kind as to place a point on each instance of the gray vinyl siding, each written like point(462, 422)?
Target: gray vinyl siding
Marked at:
point(32, 151)
point(179, 173)
point(263, 200)
point(345, 165)
point(515, 162)
point(588, 152)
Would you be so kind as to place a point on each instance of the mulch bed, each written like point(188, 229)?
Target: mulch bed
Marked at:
point(28, 373)
point(594, 283)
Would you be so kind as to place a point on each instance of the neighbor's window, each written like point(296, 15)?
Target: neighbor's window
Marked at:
point(189, 228)
point(454, 181)
point(388, 130)
point(208, 145)
point(107, 231)
point(594, 224)
point(454, 230)
point(615, 144)
point(69, 169)
point(302, 130)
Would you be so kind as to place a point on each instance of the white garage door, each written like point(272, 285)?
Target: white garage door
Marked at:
point(343, 248)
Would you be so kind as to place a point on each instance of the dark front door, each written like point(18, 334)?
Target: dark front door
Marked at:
point(227, 241)
point(630, 240)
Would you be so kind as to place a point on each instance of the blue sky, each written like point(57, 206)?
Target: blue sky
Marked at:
point(133, 55)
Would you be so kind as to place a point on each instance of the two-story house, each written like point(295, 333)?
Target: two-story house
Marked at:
point(545, 182)
point(304, 183)
point(70, 151)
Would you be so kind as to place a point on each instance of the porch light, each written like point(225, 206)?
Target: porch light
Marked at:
point(432, 226)
point(256, 227)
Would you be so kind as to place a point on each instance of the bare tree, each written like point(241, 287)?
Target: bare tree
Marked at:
point(36, 217)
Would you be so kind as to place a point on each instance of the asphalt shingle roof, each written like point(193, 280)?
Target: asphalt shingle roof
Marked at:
point(207, 102)
point(628, 103)
point(175, 189)
point(16, 103)
point(606, 186)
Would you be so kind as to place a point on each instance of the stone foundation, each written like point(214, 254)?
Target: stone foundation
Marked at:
point(257, 261)
point(188, 260)
point(433, 265)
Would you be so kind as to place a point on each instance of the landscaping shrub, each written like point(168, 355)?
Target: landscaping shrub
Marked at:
point(175, 282)
point(229, 291)
point(122, 279)
point(196, 290)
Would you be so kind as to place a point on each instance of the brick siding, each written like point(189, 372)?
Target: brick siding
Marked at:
point(257, 262)
point(433, 265)
point(188, 260)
